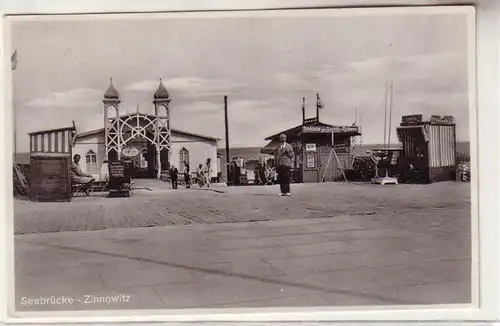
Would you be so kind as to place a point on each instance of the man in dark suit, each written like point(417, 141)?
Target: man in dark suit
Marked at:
point(283, 158)
point(174, 176)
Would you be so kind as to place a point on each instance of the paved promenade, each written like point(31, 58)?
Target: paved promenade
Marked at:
point(329, 244)
point(441, 208)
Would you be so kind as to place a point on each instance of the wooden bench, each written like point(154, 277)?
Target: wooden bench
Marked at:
point(78, 188)
point(99, 186)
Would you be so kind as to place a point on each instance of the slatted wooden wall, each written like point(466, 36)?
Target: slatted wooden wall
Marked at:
point(50, 160)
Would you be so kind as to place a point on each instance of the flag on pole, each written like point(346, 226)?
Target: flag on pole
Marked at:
point(13, 60)
point(319, 103)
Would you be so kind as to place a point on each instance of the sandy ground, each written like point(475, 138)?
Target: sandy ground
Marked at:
point(329, 244)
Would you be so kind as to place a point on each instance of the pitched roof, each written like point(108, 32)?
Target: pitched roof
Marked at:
point(271, 147)
point(177, 131)
point(297, 129)
point(48, 131)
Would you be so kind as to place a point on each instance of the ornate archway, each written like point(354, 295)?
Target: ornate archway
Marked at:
point(131, 128)
point(122, 130)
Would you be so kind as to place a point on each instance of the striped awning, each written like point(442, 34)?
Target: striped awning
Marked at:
point(271, 147)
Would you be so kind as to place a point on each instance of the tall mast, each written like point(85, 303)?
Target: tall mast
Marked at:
point(226, 131)
point(390, 112)
point(360, 131)
point(384, 105)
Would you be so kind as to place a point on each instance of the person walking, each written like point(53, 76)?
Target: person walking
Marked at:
point(283, 159)
point(187, 176)
point(200, 175)
point(174, 176)
point(208, 172)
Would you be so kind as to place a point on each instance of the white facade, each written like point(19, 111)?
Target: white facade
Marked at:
point(91, 147)
point(198, 151)
point(88, 146)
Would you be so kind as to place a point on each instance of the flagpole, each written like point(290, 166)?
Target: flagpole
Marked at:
point(384, 104)
point(390, 113)
point(13, 67)
point(303, 110)
point(317, 106)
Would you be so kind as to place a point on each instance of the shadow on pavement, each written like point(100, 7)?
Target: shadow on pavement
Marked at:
point(380, 298)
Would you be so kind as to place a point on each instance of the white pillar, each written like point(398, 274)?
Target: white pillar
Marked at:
point(158, 162)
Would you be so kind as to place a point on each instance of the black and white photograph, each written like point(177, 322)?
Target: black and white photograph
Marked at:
point(261, 159)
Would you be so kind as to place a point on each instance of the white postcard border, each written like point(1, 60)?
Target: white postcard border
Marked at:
point(485, 126)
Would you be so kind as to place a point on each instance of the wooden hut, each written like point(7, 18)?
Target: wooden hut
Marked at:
point(50, 161)
point(429, 146)
point(316, 160)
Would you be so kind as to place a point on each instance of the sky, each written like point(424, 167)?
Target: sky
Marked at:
point(265, 65)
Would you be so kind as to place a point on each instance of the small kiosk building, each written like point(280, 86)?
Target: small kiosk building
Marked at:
point(429, 146)
point(316, 160)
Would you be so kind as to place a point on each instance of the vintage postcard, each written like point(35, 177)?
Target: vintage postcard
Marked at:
point(303, 158)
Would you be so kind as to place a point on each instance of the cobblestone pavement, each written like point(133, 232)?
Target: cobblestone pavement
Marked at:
point(329, 244)
point(442, 209)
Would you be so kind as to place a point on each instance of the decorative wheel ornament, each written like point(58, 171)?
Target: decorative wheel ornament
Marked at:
point(138, 132)
point(133, 125)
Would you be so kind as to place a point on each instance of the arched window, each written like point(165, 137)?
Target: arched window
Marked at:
point(183, 157)
point(91, 160)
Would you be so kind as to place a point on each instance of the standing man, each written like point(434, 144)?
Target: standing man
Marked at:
point(187, 175)
point(283, 158)
point(174, 176)
point(236, 171)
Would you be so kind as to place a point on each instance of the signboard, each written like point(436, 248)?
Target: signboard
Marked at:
point(50, 180)
point(130, 152)
point(329, 130)
point(411, 119)
point(340, 148)
point(310, 147)
point(310, 161)
point(116, 169)
point(447, 119)
point(418, 119)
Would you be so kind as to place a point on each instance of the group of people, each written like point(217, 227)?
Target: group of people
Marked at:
point(283, 159)
point(261, 172)
point(203, 174)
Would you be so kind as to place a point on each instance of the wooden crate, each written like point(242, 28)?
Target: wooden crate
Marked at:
point(50, 179)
